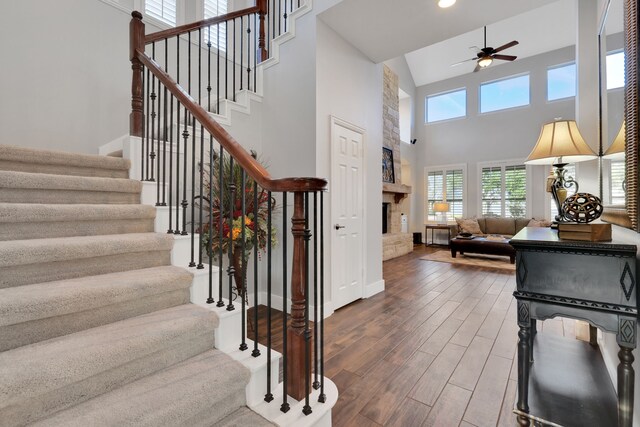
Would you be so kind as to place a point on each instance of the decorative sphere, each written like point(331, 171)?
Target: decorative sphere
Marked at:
point(582, 207)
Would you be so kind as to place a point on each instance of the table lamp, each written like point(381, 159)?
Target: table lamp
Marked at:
point(443, 208)
point(559, 144)
point(616, 149)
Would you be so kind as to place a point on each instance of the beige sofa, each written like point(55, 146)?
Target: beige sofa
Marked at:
point(507, 227)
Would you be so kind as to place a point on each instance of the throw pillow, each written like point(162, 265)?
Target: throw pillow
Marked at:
point(539, 223)
point(469, 225)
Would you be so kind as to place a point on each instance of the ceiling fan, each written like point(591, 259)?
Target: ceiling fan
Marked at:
point(486, 55)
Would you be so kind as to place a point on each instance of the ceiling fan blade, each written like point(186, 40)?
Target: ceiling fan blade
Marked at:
point(504, 57)
point(478, 68)
point(462, 62)
point(505, 46)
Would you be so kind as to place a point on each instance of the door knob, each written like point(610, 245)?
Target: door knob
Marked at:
point(338, 226)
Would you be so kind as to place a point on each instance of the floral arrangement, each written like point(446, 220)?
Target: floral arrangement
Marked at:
point(233, 222)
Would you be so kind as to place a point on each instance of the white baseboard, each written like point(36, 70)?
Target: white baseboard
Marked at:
point(373, 289)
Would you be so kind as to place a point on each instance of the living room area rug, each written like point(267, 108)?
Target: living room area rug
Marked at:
point(478, 260)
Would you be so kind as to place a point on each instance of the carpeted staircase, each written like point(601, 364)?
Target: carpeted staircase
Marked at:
point(96, 328)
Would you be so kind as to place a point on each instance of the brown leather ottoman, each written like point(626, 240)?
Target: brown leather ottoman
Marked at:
point(480, 245)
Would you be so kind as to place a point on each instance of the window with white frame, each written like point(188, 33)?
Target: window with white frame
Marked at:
point(162, 10)
point(503, 190)
point(615, 70)
point(570, 172)
point(617, 182)
point(445, 106)
point(505, 93)
point(561, 82)
point(216, 34)
point(445, 184)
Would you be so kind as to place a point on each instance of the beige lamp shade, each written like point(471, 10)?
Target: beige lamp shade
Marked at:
point(560, 142)
point(616, 150)
point(441, 207)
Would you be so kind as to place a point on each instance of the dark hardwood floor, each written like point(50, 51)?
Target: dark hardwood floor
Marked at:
point(436, 348)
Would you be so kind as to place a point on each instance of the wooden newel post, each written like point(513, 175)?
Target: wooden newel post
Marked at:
point(296, 331)
point(262, 46)
point(136, 42)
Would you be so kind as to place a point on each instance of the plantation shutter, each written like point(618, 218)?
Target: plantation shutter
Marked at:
point(434, 191)
point(617, 180)
point(163, 10)
point(492, 191)
point(216, 34)
point(515, 191)
point(454, 191)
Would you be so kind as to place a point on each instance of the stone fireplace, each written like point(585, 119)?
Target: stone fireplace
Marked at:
point(395, 243)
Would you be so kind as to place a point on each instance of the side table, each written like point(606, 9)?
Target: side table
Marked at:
point(432, 227)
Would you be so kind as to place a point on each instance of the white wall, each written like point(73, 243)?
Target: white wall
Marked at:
point(66, 79)
point(349, 87)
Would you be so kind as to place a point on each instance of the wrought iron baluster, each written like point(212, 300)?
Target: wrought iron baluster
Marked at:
point(165, 129)
point(256, 351)
point(232, 205)
point(241, 50)
point(152, 154)
point(220, 224)
point(185, 135)
point(148, 127)
point(177, 229)
point(158, 138)
point(316, 383)
point(322, 398)
point(307, 332)
point(210, 299)
point(233, 64)
point(285, 404)
point(248, 53)
point(243, 268)
point(268, 397)
point(200, 265)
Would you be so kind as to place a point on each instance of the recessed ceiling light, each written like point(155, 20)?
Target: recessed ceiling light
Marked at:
point(446, 3)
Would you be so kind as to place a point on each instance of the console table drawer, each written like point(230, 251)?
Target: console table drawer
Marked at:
point(606, 278)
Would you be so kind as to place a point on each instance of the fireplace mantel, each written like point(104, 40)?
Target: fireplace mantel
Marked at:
point(399, 191)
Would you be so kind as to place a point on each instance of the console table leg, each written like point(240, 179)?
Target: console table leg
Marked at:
point(532, 336)
point(524, 349)
point(625, 387)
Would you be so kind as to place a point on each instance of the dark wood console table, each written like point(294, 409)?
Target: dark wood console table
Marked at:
point(590, 281)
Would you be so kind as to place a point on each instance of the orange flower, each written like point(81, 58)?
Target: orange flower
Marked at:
point(236, 232)
point(247, 221)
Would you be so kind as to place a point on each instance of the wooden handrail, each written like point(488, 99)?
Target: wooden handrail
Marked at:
point(183, 29)
point(244, 159)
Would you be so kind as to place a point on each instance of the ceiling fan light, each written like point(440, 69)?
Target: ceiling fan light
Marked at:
point(485, 62)
point(446, 3)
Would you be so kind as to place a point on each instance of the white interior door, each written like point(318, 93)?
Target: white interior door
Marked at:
point(347, 207)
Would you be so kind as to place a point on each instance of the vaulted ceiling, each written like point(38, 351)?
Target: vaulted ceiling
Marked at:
point(432, 38)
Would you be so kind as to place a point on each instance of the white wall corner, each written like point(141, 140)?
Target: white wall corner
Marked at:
point(373, 289)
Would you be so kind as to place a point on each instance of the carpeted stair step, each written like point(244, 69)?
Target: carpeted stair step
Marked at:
point(22, 159)
point(43, 378)
point(201, 391)
point(26, 187)
point(243, 417)
point(24, 262)
point(34, 221)
point(34, 313)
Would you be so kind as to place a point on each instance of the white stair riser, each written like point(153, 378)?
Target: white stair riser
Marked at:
point(257, 387)
point(181, 252)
